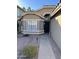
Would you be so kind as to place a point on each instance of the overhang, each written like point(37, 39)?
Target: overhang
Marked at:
point(56, 10)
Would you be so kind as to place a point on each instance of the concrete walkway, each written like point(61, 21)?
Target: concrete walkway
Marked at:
point(45, 49)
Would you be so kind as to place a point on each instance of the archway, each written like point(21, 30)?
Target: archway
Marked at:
point(47, 23)
point(47, 15)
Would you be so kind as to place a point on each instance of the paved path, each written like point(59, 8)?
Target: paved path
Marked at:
point(45, 49)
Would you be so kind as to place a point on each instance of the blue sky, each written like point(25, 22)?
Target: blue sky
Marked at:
point(36, 4)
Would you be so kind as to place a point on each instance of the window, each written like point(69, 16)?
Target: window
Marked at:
point(18, 13)
point(32, 26)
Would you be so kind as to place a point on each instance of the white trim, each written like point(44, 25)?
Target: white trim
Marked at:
point(56, 10)
point(38, 32)
point(32, 19)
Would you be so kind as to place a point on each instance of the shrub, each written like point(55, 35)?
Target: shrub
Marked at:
point(29, 51)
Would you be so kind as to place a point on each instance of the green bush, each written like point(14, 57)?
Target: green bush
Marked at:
point(29, 51)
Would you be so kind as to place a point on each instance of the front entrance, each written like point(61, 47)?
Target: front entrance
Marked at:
point(46, 27)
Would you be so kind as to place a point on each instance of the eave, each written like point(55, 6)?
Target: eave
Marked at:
point(56, 10)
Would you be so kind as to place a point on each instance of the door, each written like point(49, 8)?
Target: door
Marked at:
point(46, 26)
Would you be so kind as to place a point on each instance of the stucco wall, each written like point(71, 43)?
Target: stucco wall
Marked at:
point(55, 30)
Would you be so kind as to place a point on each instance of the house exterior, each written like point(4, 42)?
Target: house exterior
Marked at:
point(33, 22)
point(46, 20)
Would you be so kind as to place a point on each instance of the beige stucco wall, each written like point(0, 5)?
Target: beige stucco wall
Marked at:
point(58, 18)
point(55, 30)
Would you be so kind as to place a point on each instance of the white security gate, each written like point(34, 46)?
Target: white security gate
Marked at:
point(32, 26)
